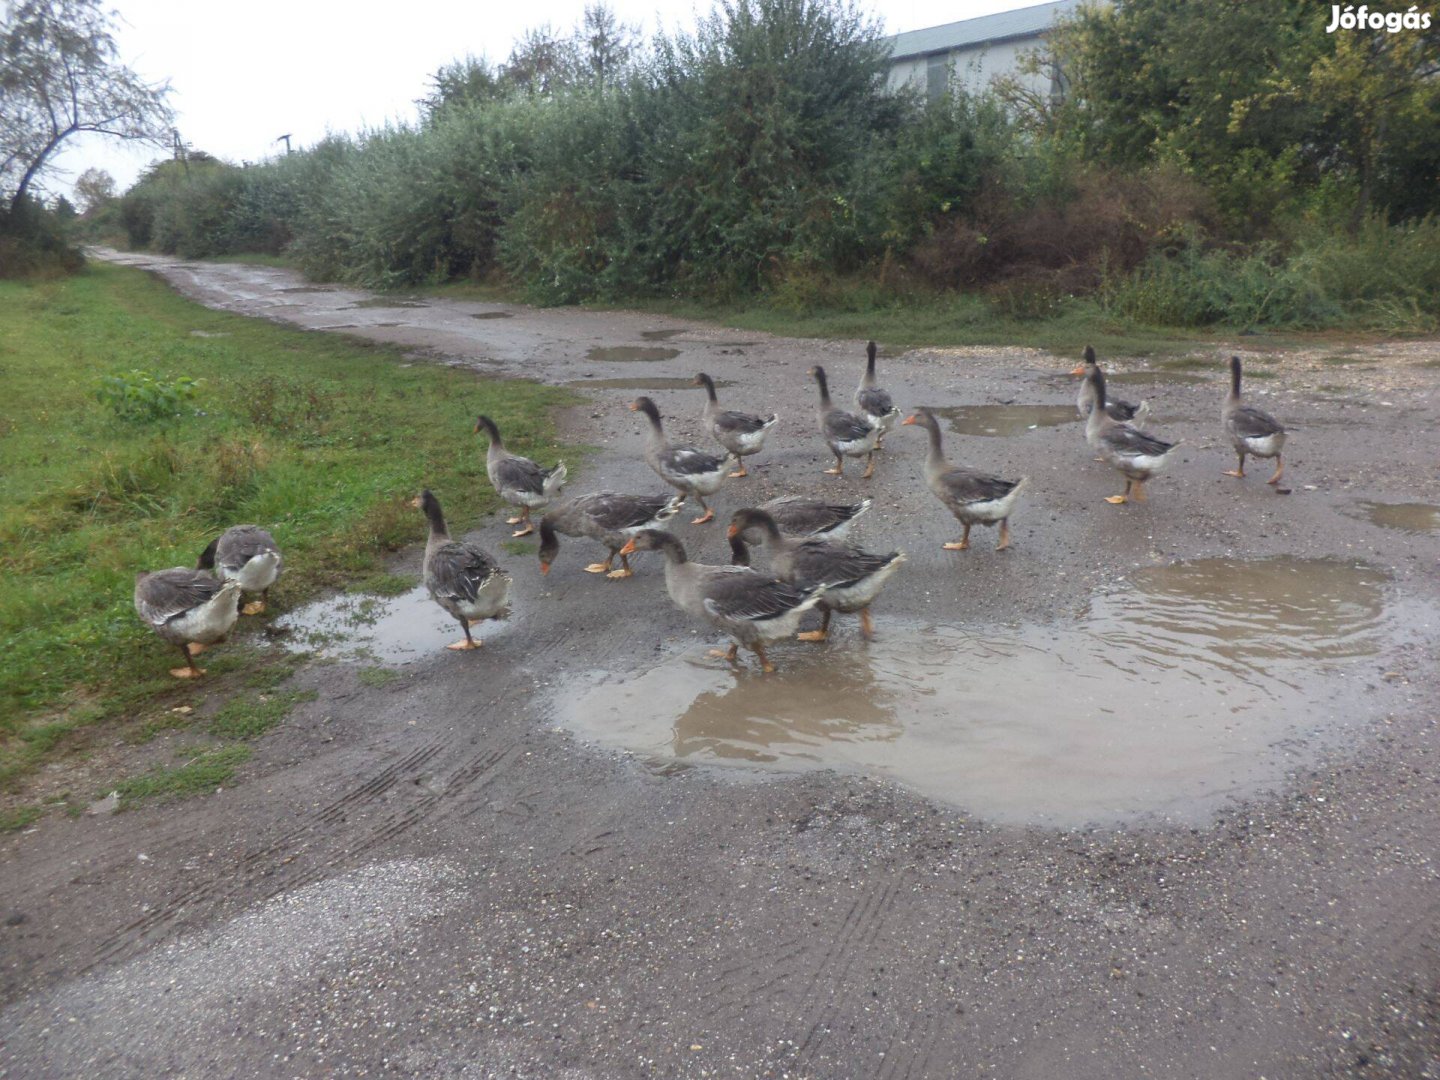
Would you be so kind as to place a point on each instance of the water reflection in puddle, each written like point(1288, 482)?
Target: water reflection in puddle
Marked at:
point(1166, 699)
point(630, 353)
point(491, 315)
point(381, 629)
point(385, 302)
point(1409, 517)
point(1004, 420)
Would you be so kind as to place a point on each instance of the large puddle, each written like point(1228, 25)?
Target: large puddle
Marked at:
point(642, 384)
point(389, 630)
point(1004, 420)
point(1199, 683)
point(1408, 517)
point(627, 353)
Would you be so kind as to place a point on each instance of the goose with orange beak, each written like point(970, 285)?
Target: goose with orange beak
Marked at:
point(686, 468)
point(1135, 454)
point(460, 576)
point(1116, 409)
point(975, 498)
point(611, 518)
point(754, 609)
point(846, 434)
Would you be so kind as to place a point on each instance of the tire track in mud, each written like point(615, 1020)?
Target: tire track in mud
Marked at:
point(751, 981)
point(857, 934)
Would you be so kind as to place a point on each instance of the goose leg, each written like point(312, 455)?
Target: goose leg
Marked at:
point(194, 648)
point(1239, 470)
point(765, 664)
point(817, 635)
point(624, 570)
point(1139, 495)
point(839, 469)
point(963, 544)
point(867, 625)
point(255, 607)
point(709, 514)
point(523, 518)
point(869, 466)
point(1004, 535)
point(731, 654)
point(741, 471)
point(602, 567)
point(1279, 470)
point(189, 671)
point(1118, 500)
point(469, 642)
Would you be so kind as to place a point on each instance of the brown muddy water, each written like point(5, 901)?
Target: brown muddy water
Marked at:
point(1408, 517)
point(661, 383)
point(1199, 683)
point(1006, 420)
point(630, 353)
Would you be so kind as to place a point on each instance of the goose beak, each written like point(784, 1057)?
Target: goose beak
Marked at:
point(1079, 370)
point(414, 503)
point(909, 420)
point(544, 568)
point(731, 531)
point(629, 548)
point(633, 407)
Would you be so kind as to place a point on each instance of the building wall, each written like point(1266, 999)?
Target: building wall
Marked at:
point(972, 67)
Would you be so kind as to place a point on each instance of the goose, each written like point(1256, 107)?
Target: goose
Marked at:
point(741, 433)
point(1135, 454)
point(846, 434)
point(973, 497)
point(460, 576)
point(752, 608)
point(1251, 430)
point(687, 468)
point(799, 516)
point(518, 480)
point(247, 554)
point(1116, 409)
point(873, 402)
point(190, 609)
point(606, 516)
point(853, 578)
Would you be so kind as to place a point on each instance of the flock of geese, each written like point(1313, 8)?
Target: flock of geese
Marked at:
point(811, 567)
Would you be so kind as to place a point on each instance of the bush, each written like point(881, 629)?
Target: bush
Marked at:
point(141, 397)
point(35, 243)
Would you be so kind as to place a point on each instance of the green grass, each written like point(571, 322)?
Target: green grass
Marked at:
point(205, 771)
point(383, 584)
point(318, 437)
point(16, 818)
point(246, 717)
point(377, 677)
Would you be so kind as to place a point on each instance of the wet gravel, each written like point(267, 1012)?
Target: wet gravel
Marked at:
point(426, 878)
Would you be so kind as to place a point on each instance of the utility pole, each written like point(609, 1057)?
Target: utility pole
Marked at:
point(286, 140)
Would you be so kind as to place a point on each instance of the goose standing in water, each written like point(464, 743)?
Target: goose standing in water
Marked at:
point(1134, 454)
point(518, 480)
point(973, 497)
point(606, 516)
point(753, 608)
point(852, 578)
point(846, 434)
point(188, 608)
point(1252, 431)
point(741, 433)
point(461, 577)
point(687, 468)
point(247, 554)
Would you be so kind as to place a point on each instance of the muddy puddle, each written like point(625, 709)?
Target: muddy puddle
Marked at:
point(384, 302)
point(1006, 420)
point(389, 630)
point(1408, 517)
point(492, 315)
point(630, 353)
point(1197, 683)
point(1130, 378)
point(642, 384)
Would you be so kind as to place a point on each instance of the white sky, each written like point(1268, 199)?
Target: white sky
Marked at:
point(244, 73)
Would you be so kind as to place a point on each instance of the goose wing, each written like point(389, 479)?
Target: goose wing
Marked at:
point(799, 516)
point(1127, 442)
point(167, 594)
point(739, 423)
point(688, 461)
point(238, 545)
point(819, 562)
point(458, 571)
point(520, 474)
point(875, 401)
point(612, 510)
point(967, 485)
point(844, 427)
point(739, 593)
point(1251, 423)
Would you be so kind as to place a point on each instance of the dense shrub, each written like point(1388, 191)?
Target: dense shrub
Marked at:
point(35, 242)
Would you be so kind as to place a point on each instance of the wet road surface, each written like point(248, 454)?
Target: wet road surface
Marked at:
point(1080, 811)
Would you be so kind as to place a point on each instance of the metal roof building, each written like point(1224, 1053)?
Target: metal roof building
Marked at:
point(974, 51)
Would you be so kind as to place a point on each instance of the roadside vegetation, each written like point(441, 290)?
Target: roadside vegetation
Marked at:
point(136, 425)
point(1275, 177)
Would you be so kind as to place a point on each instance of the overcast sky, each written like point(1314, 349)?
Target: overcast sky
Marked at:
point(245, 73)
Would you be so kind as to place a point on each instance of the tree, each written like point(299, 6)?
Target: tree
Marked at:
point(606, 44)
point(60, 76)
point(94, 188)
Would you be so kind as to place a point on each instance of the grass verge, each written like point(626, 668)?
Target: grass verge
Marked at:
point(318, 437)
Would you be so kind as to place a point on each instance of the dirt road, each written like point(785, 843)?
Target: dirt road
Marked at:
point(1159, 835)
